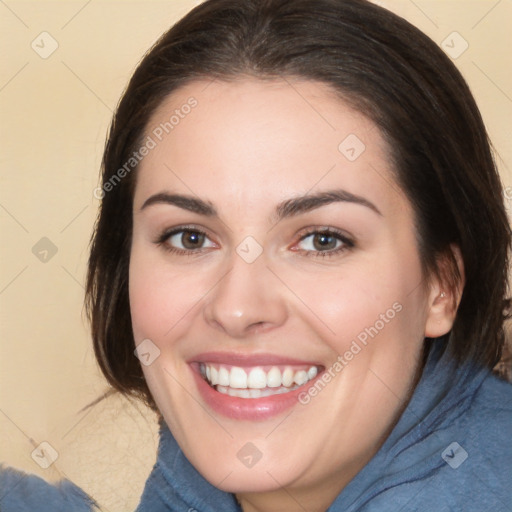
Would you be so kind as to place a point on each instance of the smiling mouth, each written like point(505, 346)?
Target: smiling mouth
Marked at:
point(258, 381)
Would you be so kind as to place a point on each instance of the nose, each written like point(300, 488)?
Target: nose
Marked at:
point(248, 299)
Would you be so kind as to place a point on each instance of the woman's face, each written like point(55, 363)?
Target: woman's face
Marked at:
point(275, 284)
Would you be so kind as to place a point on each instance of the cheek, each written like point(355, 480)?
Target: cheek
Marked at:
point(165, 299)
point(159, 297)
point(343, 302)
point(377, 299)
point(147, 308)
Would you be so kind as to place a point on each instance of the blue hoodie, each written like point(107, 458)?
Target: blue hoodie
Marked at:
point(450, 451)
point(28, 493)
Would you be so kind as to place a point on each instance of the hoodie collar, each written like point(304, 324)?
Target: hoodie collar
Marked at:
point(413, 449)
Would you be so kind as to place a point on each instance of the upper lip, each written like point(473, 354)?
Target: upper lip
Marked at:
point(241, 359)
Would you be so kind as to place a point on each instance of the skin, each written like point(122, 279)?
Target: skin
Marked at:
point(248, 146)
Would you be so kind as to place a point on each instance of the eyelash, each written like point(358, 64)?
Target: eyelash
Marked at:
point(163, 240)
point(347, 243)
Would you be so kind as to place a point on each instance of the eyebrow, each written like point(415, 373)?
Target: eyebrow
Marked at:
point(289, 208)
point(189, 203)
point(306, 203)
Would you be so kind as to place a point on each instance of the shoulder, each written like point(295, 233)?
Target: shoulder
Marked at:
point(20, 492)
point(495, 394)
point(477, 451)
point(488, 424)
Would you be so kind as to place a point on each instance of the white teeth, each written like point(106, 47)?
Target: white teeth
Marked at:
point(274, 377)
point(223, 376)
point(214, 376)
point(235, 380)
point(300, 377)
point(257, 379)
point(252, 393)
point(287, 378)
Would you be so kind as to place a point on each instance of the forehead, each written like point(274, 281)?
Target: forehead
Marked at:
point(259, 141)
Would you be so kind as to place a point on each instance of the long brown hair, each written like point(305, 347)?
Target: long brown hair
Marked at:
point(386, 69)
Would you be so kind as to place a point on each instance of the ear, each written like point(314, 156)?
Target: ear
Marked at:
point(444, 294)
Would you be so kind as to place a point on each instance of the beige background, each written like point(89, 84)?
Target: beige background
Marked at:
point(54, 115)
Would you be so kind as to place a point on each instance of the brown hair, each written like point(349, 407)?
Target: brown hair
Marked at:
point(386, 69)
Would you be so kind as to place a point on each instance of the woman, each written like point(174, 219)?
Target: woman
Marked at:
point(300, 262)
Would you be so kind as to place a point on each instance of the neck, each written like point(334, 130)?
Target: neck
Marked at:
point(316, 497)
point(283, 500)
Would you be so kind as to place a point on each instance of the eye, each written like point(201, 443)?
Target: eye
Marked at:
point(184, 240)
point(324, 242)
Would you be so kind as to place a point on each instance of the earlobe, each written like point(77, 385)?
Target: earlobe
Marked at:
point(445, 294)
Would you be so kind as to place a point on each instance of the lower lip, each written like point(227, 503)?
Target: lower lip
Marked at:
point(252, 409)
